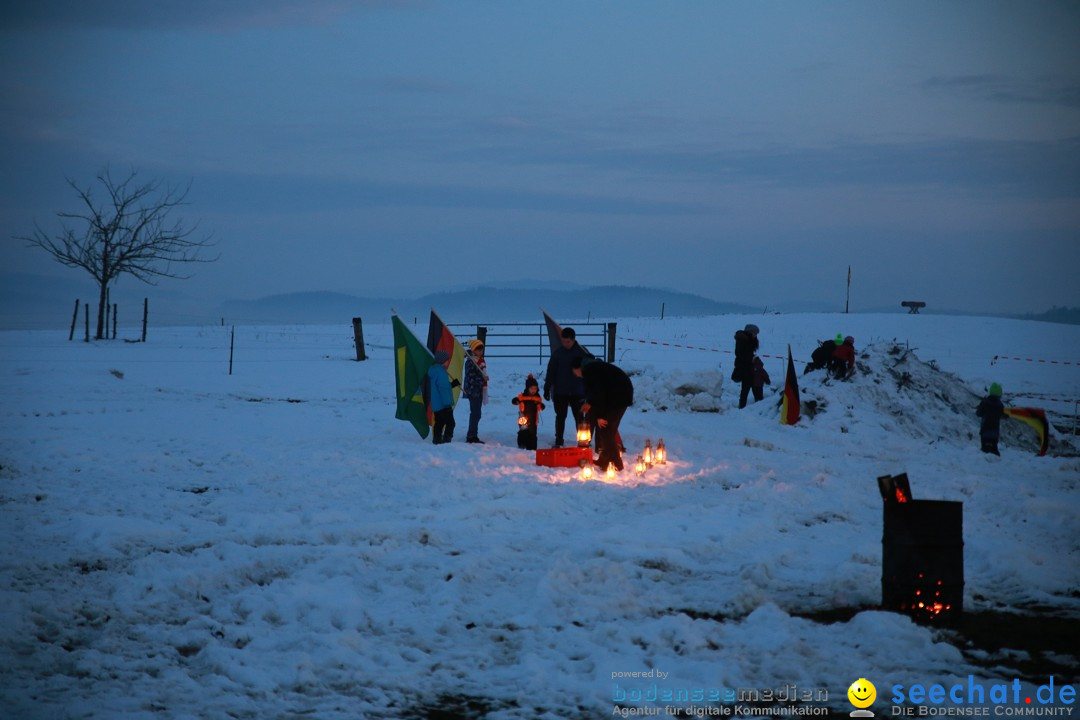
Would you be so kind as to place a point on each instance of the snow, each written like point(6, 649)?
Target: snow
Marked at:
point(273, 543)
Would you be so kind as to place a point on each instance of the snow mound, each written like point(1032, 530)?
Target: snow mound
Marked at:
point(677, 390)
point(911, 398)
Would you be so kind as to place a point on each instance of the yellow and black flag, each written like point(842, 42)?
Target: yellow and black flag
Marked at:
point(411, 363)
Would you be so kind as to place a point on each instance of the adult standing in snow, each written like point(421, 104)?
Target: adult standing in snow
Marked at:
point(991, 410)
point(746, 344)
point(560, 380)
point(441, 397)
point(608, 393)
point(475, 389)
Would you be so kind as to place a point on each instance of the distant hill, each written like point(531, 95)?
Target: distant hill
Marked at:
point(1068, 316)
point(484, 304)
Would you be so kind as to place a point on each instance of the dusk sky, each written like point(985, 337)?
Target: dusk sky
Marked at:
point(745, 151)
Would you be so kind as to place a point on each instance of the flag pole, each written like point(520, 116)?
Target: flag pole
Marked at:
point(847, 301)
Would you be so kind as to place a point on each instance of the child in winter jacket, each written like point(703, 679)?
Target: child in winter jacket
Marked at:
point(760, 379)
point(842, 364)
point(438, 391)
point(991, 410)
point(475, 388)
point(529, 406)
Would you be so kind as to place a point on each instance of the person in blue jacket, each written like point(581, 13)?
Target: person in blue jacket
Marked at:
point(442, 398)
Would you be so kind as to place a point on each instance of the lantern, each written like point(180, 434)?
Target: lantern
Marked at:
point(610, 471)
point(584, 435)
point(647, 456)
point(586, 472)
point(523, 421)
point(661, 452)
point(639, 466)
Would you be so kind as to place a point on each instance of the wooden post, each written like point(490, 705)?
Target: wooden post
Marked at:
point(662, 310)
point(358, 337)
point(145, 314)
point(232, 342)
point(481, 335)
point(114, 321)
point(108, 312)
point(74, 319)
point(611, 342)
point(847, 299)
point(86, 316)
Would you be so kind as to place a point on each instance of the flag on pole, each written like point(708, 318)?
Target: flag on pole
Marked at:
point(1036, 418)
point(411, 363)
point(789, 403)
point(439, 338)
point(554, 331)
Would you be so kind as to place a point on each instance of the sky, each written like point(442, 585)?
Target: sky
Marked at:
point(745, 151)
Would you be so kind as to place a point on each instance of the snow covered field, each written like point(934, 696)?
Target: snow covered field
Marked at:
point(183, 543)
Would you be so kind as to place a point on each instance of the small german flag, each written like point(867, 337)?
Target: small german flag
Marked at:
point(789, 404)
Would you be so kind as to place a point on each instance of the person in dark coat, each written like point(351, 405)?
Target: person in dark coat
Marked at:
point(746, 344)
point(608, 393)
point(991, 410)
point(529, 407)
point(560, 381)
point(821, 356)
point(761, 378)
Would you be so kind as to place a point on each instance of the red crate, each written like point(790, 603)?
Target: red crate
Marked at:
point(563, 457)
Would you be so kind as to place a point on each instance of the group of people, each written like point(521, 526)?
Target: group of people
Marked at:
point(578, 383)
point(837, 356)
point(599, 393)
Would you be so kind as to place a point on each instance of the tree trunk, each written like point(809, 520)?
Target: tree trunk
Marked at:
point(102, 299)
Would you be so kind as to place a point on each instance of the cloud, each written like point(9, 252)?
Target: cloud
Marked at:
point(1009, 90)
point(171, 14)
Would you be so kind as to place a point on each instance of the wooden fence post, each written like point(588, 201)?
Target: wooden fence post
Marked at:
point(358, 337)
point(74, 319)
point(232, 342)
point(145, 314)
point(611, 342)
point(481, 334)
point(114, 321)
point(86, 316)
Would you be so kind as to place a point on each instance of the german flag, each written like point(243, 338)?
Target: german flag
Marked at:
point(1036, 418)
point(789, 403)
point(439, 338)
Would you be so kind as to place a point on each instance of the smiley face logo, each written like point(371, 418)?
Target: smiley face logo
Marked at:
point(862, 693)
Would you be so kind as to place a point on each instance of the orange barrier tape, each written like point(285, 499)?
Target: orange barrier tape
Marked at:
point(1034, 360)
point(694, 347)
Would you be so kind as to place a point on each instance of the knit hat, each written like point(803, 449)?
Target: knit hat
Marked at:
point(849, 340)
point(531, 382)
point(995, 390)
point(473, 344)
point(839, 339)
point(441, 356)
point(752, 329)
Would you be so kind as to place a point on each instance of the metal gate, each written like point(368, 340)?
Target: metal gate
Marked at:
point(530, 340)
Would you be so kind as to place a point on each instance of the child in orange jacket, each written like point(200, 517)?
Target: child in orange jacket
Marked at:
point(529, 406)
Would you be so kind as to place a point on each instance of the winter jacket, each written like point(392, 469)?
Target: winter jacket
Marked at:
point(560, 376)
point(475, 377)
point(760, 376)
point(991, 410)
point(746, 345)
point(531, 405)
point(439, 388)
point(607, 387)
point(845, 354)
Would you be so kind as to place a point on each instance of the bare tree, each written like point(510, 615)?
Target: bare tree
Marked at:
point(129, 231)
